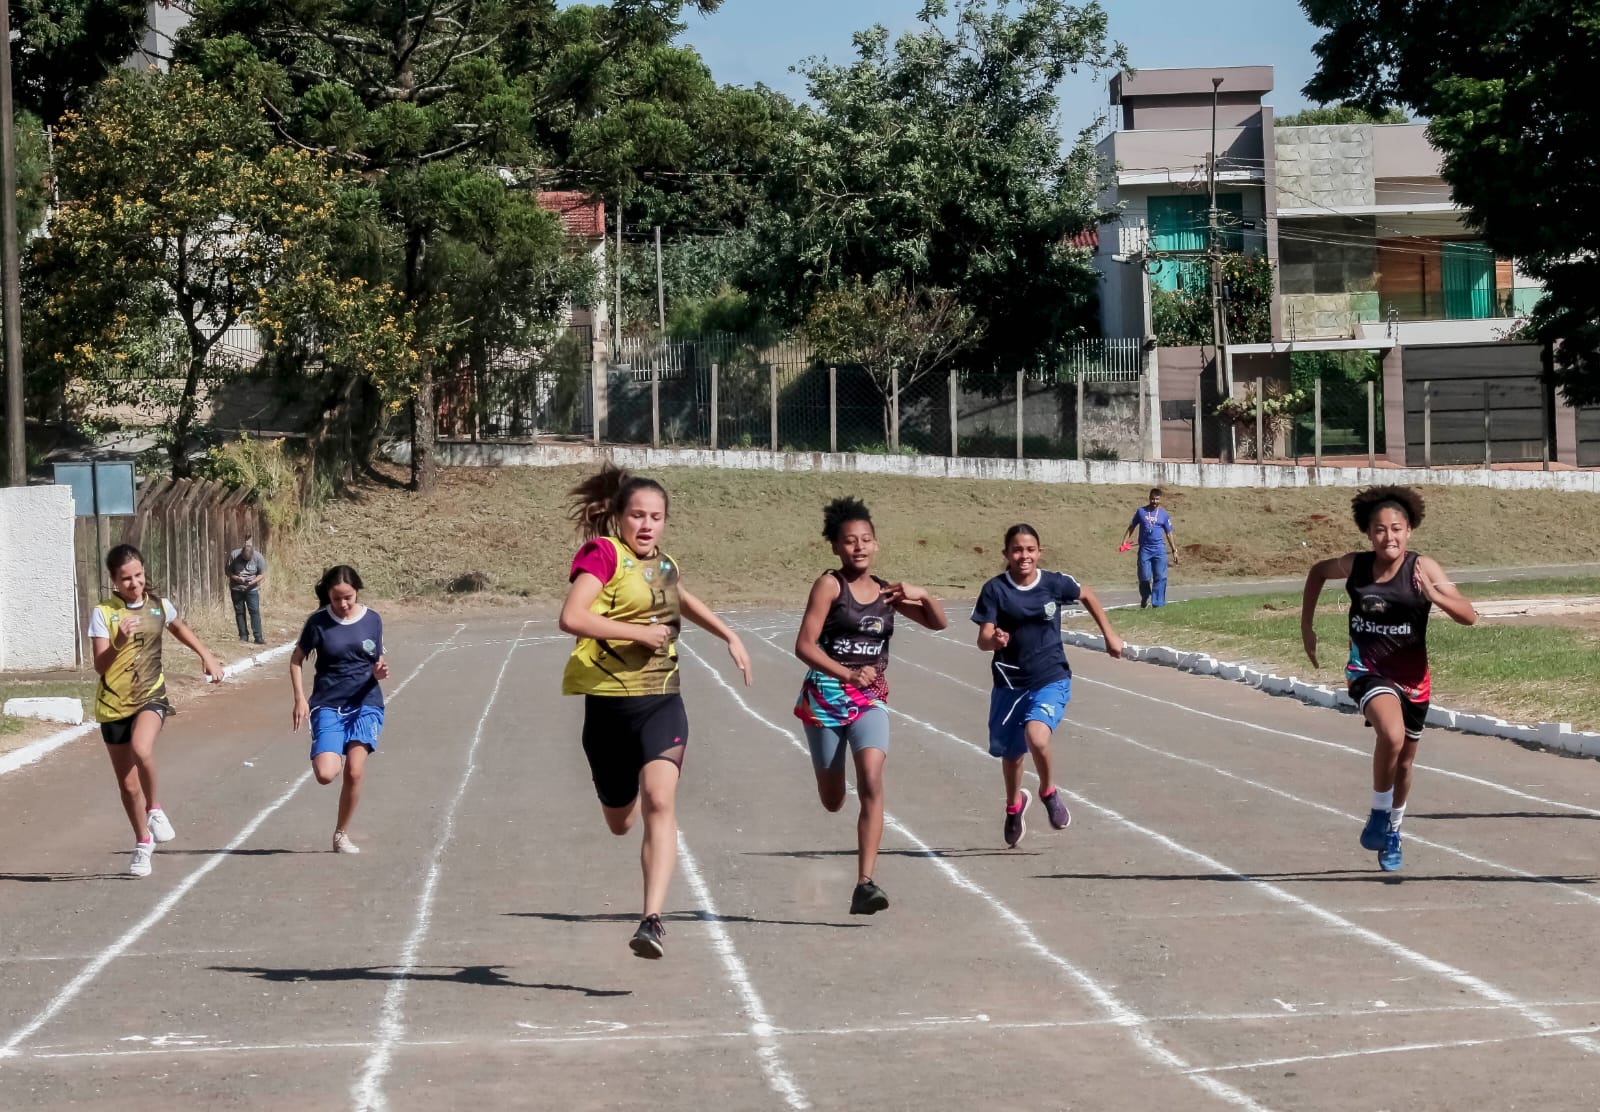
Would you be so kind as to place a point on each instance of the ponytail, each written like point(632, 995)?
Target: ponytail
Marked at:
point(595, 504)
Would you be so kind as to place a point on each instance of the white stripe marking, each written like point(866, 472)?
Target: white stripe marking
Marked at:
point(172, 899)
point(1460, 977)
point(1120, 1014)
point(761, 1027)
point(368, 1090)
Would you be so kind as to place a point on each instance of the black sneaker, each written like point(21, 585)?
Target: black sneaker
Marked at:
point(646, 941)
point(868, 899)
point(1016, 826)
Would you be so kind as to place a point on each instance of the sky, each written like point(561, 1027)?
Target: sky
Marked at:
point(747, 41)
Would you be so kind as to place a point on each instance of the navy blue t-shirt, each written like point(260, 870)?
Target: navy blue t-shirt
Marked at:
point(1035, 656)
point(345, 656)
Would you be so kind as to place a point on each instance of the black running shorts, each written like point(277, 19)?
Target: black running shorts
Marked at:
point(623, 733)
point(1415, 714)
point(120, 732)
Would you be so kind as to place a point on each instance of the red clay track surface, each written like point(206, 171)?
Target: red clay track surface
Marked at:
point(1206, 934)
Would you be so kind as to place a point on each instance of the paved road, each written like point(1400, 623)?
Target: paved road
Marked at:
point(1205, 935)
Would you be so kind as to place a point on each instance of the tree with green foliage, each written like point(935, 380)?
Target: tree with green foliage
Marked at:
point(1336, 114)
point(1508, 90)
point(64, 47)
point(178, 218)
point(935, 161)
point(1184, 318)
point(451, 115)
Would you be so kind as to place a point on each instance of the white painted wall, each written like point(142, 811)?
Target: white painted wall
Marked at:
point(38, 602)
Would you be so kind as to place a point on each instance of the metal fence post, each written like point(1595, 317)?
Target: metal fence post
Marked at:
point(713, 407)
point(1077, 431)
point(1488, 443)
point(597, 398)
point(1316, 420)
point(894, 408)
point(955, 390)
point(833, 409)
point(655, 406)
point(1144, 445)
point(1427, 422)
point(1019, 414)
point(1199, 406)
point(1544, 426)
point(1372, 426)
point(772, 392)
point(1261, 402)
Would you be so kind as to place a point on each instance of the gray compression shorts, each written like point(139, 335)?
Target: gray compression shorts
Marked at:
point(869, 731)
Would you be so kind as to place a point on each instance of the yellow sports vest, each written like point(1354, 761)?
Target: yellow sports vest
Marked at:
point(134, 679)
point(640, 591)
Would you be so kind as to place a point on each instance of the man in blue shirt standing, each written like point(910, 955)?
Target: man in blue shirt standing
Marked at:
point(1154, 527)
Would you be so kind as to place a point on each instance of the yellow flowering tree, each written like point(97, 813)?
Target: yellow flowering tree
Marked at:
point(179, 218)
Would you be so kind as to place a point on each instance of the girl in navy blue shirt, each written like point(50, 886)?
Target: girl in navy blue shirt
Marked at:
point(346, 705)
point(1019, 619)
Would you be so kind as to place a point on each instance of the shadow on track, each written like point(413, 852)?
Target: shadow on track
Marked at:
point(672, 917)
point(488, 976)
point(818, 854)
point(1506, 815)
point(233, 852)
point(57, 878)
point(1367, 876)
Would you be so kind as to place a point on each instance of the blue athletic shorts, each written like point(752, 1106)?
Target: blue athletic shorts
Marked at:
point(1011, 709)
point(870, 730)
point(335, 729)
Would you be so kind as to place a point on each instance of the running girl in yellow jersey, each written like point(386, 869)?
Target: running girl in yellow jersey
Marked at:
point(131, 703)
point(626, 607)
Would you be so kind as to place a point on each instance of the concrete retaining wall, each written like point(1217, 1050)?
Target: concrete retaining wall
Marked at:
point(1120, 472)
point(38, 600)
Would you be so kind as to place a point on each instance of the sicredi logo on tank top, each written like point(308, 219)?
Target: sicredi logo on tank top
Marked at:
point(1371, 604)
point(871, 628)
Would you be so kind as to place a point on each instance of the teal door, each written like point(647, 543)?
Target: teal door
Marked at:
point(1468, 281)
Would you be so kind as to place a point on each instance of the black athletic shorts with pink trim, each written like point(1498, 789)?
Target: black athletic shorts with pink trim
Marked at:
point(1414, 712)
point(623, 733)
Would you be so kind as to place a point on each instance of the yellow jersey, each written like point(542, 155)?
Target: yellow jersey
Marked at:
point(637, 590)
point(135, 678)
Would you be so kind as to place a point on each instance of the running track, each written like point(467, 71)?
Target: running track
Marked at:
point(1206, 935)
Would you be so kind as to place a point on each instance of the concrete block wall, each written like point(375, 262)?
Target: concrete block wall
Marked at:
point(1325, 165)
point(38, 598)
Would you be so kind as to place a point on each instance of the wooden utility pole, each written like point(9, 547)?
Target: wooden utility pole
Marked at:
point(10, 286)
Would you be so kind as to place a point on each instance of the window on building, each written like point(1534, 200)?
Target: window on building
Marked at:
point(1178, 226)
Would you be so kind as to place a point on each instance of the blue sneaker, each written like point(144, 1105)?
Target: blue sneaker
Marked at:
point(1389, 855)
point(1372, 835)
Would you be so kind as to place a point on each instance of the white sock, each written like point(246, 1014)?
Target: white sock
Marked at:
point(1383, 801)
point(1396, 815)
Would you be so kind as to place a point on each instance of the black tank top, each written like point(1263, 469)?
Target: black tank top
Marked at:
point(1388, 625)
point(857, 634)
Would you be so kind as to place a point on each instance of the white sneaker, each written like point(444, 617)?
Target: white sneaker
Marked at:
point(140, 865)
point(160, 826)
point(343, 844)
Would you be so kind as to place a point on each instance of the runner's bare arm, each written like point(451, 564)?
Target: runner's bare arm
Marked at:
point(992, 637)
point(1101, 619)
point(806, 648)
point(302, 710)
point(917, 604)
point(704, 617)
point(1337, 567)
point(209, 664)
point(578, 620)
point(1437, 589)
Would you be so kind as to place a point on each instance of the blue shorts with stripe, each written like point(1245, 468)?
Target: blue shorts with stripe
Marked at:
point(1011, 709)
point(335, 729)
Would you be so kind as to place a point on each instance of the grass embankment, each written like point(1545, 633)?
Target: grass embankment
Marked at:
point(1525, 670)
point(753, 538)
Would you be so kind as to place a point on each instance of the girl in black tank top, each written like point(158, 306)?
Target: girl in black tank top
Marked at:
point(844, 643)
point(1392, 591)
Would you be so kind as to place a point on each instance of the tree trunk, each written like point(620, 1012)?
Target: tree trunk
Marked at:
point(424, 436)
point(188, 406)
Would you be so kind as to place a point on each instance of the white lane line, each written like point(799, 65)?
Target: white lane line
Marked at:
point(367, 1092)
point(1483, 862)
point(1120, 1013)
point(1403, 1048)
point(172, 899)
point(1460, 977)
point(761, 1028)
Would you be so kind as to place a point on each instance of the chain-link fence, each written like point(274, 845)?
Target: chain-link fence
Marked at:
point(1329, 419)
point(540, 391)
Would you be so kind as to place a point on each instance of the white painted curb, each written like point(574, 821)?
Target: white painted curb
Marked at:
point(35, 751)
point(48, 709)
point(1559, 736)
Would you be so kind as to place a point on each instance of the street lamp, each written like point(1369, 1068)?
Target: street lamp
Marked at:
point(10, 284)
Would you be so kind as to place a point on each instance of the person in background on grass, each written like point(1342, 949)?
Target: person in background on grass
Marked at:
point(1019, 619)
point(844, 642)
point(1154, 528)
point(626, 606)
point(125, 634)
point(1392, 591)
point(246, 569)
point(346, 705)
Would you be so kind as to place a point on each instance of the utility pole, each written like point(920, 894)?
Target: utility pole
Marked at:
point(661, 289)
point(1219, 315)
point(616, 322)
point(10, 286)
